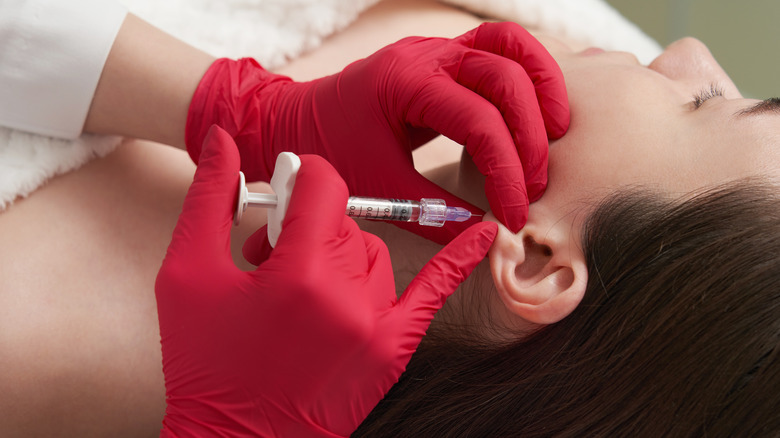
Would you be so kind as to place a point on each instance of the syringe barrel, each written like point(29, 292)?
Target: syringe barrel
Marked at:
point(383, 209)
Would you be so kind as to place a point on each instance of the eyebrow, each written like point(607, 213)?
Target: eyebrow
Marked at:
point(771, 105)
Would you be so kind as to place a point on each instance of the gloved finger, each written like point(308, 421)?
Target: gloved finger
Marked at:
point(380, 267)
point(439, 278)
point(471, 120)
point(416, 186)
point(202, 233)
point(257, 248)
point(315, 224)
point(512, 41)
point(505, 84)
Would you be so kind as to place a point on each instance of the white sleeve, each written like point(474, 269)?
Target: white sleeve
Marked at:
point(52, 53)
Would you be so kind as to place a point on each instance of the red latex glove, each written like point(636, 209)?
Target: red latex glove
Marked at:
point(495, 90)
point(308, 343)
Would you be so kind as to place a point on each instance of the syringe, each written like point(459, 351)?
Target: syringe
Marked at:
point(426, 211)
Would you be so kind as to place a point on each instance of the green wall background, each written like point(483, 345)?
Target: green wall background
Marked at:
point(743, 35)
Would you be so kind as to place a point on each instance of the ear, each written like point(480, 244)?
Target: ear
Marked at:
point(540, 272)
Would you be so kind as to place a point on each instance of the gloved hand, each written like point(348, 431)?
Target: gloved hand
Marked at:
point(308, 343)
point(495, 90)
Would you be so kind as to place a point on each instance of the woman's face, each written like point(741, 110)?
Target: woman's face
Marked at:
point(675, 127)
point(633, 125)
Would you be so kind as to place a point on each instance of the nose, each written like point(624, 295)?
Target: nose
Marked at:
point(689, 61)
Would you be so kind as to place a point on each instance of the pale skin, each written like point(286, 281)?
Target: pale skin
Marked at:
point(81, 352)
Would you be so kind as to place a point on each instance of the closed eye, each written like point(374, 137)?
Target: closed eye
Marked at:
point(706, 94)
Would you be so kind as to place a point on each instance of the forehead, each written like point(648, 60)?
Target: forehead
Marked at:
point(762, 139)
point(727, 152)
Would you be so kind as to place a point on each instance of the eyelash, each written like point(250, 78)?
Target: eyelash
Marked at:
point(706, 94)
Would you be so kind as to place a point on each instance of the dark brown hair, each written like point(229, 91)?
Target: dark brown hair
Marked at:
point(677, 336)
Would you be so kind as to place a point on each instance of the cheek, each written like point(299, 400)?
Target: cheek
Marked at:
point(627, 128)
point(610, 148)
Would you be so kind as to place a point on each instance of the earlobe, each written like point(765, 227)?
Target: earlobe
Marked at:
point(540, 276)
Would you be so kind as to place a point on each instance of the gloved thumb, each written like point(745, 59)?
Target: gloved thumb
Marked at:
point(204, 225)
point(315, 212)
point(439, 278)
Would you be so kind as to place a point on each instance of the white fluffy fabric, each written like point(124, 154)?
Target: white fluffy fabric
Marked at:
point(276, 31)
point(591, 22)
